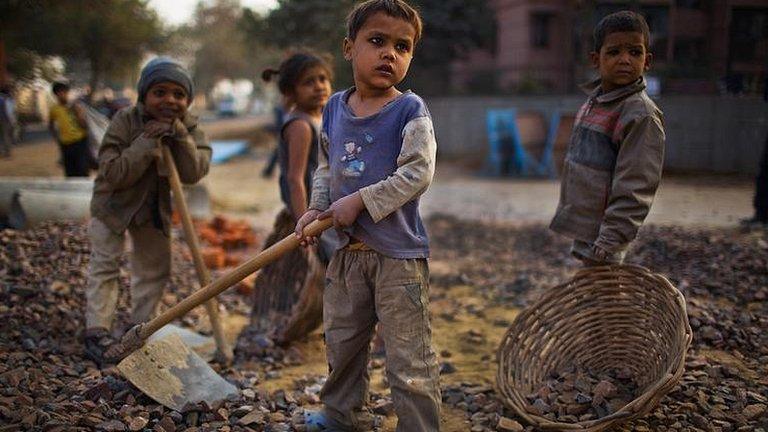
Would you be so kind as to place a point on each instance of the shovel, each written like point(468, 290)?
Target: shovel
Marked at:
point(223, 351)
point(167, 370)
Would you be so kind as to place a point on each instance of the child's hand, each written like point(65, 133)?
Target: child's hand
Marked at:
point(307, 218)
point(157, 129)
point(345, 211)
point(179, 130)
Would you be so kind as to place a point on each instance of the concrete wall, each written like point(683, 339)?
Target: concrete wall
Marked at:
point(704, 133)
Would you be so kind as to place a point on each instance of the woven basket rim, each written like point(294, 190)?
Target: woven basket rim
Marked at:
point(642, 403)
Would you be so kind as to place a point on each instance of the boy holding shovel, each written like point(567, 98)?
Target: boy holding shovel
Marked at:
point(377, 156)
point(132, 192)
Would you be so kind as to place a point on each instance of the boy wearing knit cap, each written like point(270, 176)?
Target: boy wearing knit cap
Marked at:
point(131, 193)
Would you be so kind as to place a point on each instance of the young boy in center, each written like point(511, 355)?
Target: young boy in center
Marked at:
point(377, 156)
point(132, 193)
point(615, 157)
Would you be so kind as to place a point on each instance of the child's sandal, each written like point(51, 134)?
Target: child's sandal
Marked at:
point(316, 421)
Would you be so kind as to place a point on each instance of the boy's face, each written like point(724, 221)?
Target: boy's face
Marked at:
point(62, 96)
point(382, 51)
point(166, 101)
point(622, 59)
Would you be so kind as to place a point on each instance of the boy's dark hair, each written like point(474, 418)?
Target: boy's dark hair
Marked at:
point(59, 86)
point(623, 21)
point(394, 8)
point(293, 67)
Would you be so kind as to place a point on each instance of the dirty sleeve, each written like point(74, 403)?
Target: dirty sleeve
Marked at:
point(123, 162)
point(415, 169)
point(192, 155)
point(321, 180)
point(635, 181)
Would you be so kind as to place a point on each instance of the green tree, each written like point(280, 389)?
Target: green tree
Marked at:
point(110, 36)
point(18, 28)
point(451, 28)
point(317, 25)
point(225, 43)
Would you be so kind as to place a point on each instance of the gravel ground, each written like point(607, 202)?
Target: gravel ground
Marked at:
point(482, 274)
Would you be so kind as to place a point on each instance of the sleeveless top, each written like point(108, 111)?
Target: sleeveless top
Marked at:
point(283, 156)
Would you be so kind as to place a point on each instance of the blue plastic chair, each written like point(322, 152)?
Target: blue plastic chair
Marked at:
point(506, 154)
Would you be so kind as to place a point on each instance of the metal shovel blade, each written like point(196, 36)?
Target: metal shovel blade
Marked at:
point(204, 346)
point(172, 374)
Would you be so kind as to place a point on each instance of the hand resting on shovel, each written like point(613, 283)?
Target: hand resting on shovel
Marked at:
point(343, 212)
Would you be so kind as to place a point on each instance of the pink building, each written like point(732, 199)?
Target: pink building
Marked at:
point(542, 45)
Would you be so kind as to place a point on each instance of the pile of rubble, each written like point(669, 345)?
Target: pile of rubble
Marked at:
point(225, 241)
point(47, 384)
point(722, 273)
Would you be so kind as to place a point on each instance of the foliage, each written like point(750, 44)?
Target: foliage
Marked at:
point(451, 28)
point(220, 43)
point(112, 36)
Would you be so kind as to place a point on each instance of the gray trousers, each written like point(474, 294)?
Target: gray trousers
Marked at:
point(363, 288)
point(150, 271)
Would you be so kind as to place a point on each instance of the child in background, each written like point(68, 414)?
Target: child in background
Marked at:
point(8, 123)
point(305, 84)
point(132, 193)
point(614, 161)
point(377, 157)
point(67, 124)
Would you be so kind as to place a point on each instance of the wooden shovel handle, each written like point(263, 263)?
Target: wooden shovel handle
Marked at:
point(234, 276)
point(211, 306)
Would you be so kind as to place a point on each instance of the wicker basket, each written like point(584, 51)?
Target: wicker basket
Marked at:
point(606, 317)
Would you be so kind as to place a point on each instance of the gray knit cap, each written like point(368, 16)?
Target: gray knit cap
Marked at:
point(164, 69)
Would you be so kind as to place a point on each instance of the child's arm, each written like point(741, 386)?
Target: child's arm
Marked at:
point(415, 169)
point(52, 129)
point(191, 152)
point(298, 136)
point(123, 166)
point(320, 198)
point(79, 111)
point(52, 126)
point(635, 180)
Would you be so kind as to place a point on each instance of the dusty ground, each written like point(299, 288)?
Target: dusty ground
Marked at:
point(237, 188)
point(467, 295)
point(682, 200)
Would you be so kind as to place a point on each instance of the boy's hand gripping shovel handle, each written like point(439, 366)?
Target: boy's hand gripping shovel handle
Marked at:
point(135, 337)
point(224, 353)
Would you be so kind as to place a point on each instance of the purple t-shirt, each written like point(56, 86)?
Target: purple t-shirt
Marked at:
point(364, 151)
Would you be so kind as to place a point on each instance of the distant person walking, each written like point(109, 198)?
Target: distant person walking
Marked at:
point(67, 124)
point(7, 121)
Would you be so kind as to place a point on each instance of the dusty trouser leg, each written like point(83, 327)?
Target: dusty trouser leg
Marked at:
point(348, 320)
point(103, 275)
point(150, 270)
point(402, 305)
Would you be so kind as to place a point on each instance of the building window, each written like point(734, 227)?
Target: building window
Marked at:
point(540, 37)
point(749, 34)
point(690, 4)
point(657, 18)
